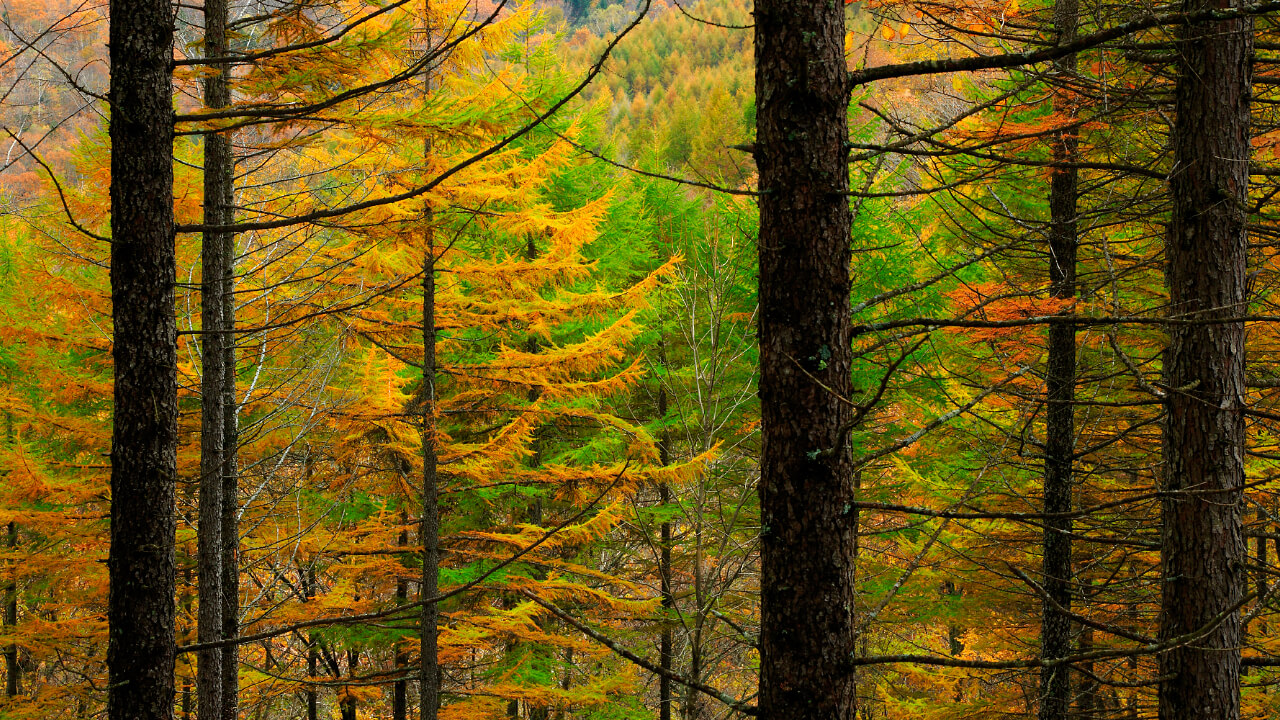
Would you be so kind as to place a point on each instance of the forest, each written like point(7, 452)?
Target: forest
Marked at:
point(619, 359)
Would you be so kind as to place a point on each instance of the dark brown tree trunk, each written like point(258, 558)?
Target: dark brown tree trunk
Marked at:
point(1260, 561)
point(664, 558)
point(1087, 698)
point(230, 511)
point(230, 462)
point(313, 657)
point(668, 606)
point(230, 524)
point(429, 675)
point(1060, 390)
point(400, 691)
point(12, 672)
point(1203, 549)
point(348, 704)
point(140, 609)
point(808, 634)
point(210, 551)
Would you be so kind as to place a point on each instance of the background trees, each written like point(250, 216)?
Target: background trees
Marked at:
point(592, 411)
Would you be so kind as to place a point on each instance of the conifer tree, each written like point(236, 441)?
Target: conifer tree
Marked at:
point(808, 630)
point(140, 654)
point(213, 688)
point(1060, 381)
point(1202, 543)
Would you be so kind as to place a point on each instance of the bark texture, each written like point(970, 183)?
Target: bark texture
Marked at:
point(429, 674)
point(222, 166)
point(429, 529)
point(230, 494)
point(808, 633)
point(140, 613)
point(1060, 387)
point(1203, 549)
point(213, 255)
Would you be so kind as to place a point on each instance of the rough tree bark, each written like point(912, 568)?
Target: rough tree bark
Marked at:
point(429, 528)
point(140, 612)
point(429, 525)
point(220, 169)
point(1060, 391)
point(808, 633)
point(230, 477)
point(1202, 549)
point(210, 551)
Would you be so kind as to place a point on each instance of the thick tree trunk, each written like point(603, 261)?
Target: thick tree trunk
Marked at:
point(140, 612)
point(1060, 390)
point(808, 634)
point(1203, 549)
point(210, 550)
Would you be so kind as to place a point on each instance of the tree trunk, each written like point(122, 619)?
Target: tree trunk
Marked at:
point(664, 556)
point(1060, 391)
point(313, 657)
point(1203, 550)
point(1260, 560)
point(230, 520)
point(400, 691)
point(668, 606)
point(429, 676)
point(808, 634)
point(429, 528)
point(348, 704)
point(140, 609)
point(12, 673)
point(230, 453)
point(210, 551)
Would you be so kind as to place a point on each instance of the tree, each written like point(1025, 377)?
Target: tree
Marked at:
point(1060, 382)
point(808, 539)
point(1202, 541)
point(217, 578)
point(140, 653)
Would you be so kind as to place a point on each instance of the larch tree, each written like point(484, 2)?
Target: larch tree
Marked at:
point(140, 652)
point(1202, 539)
point(808, 536)
point(1060, 386)
point(216, 340)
